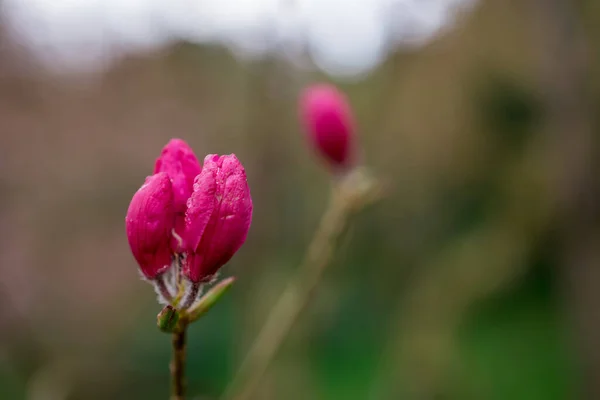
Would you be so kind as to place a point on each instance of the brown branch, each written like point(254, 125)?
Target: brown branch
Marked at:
point(354, 193)
point(178, 363)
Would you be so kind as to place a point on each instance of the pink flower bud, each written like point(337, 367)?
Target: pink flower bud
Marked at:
point(218, 216)
point(149, 223)
point(179, 161)
point(327, 118)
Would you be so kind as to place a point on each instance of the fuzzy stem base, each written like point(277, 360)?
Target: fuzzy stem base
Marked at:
point(160, 285)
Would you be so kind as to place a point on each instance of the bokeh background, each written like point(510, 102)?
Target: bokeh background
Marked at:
point(476, 277)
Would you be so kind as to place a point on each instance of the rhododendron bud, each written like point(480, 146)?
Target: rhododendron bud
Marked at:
point(179, 161)
point(149, 223)
point(218, 216)
point(327, 118)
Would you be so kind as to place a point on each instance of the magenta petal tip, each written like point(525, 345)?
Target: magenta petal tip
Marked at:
point(327, 118)
point(178, 160)
point(218, 217)
point(149, 223)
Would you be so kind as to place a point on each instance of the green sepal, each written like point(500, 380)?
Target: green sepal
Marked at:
point(167, 319)
point(210, 299)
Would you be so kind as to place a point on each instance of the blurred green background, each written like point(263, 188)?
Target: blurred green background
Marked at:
point(477, 277)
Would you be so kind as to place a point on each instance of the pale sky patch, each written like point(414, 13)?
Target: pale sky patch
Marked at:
point(343, 37)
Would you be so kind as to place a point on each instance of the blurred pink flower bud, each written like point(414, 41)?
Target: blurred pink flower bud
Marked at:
point(218, 216)
point(179, 161)
point(149, 223)
point(327, 118)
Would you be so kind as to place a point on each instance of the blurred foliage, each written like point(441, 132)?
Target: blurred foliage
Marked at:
point(449, 289)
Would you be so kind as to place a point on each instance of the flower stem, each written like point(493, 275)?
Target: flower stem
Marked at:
point(178, 362)
point(299, 292)
point(191, 296)
point(162, 289)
